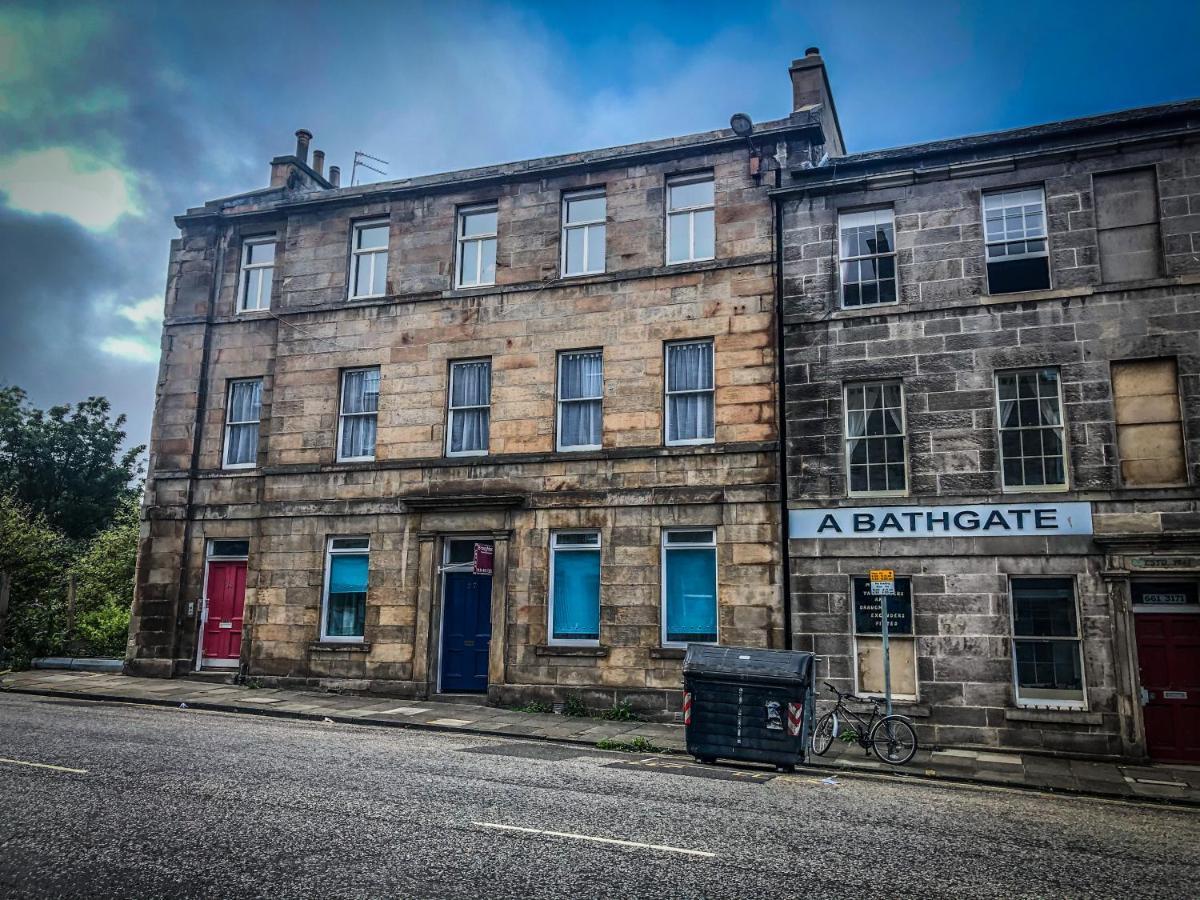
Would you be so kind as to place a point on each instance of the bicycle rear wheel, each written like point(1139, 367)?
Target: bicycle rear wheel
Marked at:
point(822, 738)
point(894, 740)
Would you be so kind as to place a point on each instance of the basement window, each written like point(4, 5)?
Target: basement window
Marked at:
point(344, 604)
point(1015, 241)
point(1046, 647)
point(575, 587)
point(689, 587)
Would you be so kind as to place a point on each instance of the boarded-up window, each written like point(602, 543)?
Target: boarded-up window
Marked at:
point(1149, 425)
point(1127, 225)
point(868, 639)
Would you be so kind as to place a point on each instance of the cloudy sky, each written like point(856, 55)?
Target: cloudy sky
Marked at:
point(116, 116)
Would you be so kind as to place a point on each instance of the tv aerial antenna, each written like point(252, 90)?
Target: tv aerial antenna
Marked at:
point(359, 156)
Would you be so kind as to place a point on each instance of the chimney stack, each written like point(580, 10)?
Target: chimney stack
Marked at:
point(335, 176)
point(808, 79)
point(303, 136)
point(319, 162)
point(810, 89)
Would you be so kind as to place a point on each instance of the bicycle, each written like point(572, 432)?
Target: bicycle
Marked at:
point(892, 738)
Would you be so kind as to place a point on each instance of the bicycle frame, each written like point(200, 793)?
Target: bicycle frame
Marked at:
point(862, 726)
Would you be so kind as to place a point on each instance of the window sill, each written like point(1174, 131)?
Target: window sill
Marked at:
point(667, 652)
point(569, 650)
point(338, 646)
point(1054, 716)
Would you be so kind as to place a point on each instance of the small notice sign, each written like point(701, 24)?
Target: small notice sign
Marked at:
point(883, 582)
point(482, 564)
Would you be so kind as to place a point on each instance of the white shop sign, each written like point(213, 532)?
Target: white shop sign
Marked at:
point(986, 520)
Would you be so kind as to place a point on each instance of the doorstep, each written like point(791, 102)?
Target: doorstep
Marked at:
point(1179, 785)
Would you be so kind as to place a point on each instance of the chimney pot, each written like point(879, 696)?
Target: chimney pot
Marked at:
point(335, 176)
point(319, 161)
point(303, 136)
point(813, 51)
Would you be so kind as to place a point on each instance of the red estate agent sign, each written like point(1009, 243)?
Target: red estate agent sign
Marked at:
point(484, 554)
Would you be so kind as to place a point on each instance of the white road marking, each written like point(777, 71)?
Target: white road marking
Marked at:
point(598, 840)
point(35, 765)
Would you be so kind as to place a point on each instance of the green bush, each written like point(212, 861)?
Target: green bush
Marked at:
point(633, 745)
point(621, 711)
point(104, 586)
point(574, 706)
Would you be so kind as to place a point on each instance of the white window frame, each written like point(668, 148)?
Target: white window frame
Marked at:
point(247, 267)
point(460, 242)
point(343, 415)
point(559, 403)
point(1042, 703)
point(225, 463)
point(555, 549)
point(451, 408)
point(711, 543)
point(988, 244)
point(690, 212)
point(667, 394)
point(846, 218)
point(330, 552)
point(1005, 487)
point(903, 435)
point(357, 255)
point(585, 226)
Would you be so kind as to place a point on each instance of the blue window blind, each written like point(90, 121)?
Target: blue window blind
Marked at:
point(691, 578)
point(577, 595)
point(346, 609)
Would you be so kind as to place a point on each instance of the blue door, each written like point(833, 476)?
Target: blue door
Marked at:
point(466, 632)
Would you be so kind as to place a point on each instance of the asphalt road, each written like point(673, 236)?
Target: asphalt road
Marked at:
point(184, 803)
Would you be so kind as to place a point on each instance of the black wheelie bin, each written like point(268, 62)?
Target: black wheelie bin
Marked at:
point(748, 704)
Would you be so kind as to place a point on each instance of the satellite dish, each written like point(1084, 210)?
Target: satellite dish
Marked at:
point(741, 125)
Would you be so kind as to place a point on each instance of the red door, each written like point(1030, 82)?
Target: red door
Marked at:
point(1169, 660)
point(226, 601)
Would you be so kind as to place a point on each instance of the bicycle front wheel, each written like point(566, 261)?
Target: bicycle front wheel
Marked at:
point(894, 740)
point(822, 738)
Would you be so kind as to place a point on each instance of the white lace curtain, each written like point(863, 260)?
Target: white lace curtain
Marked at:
point(690, 392)
point(581, 386)
point(360, 407)
point(241, 440)
point(470, 397)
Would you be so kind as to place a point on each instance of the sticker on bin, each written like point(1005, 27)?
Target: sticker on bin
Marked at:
point(795, 715)
point(687, 708)
point(774, 720)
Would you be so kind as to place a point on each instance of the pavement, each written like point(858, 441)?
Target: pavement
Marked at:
point(1170, 784)
point(103, 799)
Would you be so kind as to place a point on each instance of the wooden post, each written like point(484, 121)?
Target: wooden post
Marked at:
point(70, 605)
point(5, 586)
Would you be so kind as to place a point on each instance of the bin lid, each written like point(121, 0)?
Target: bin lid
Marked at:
point(748, 662)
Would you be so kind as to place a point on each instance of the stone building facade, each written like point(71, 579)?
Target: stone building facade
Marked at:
point(996, 340)
point(509, 430)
